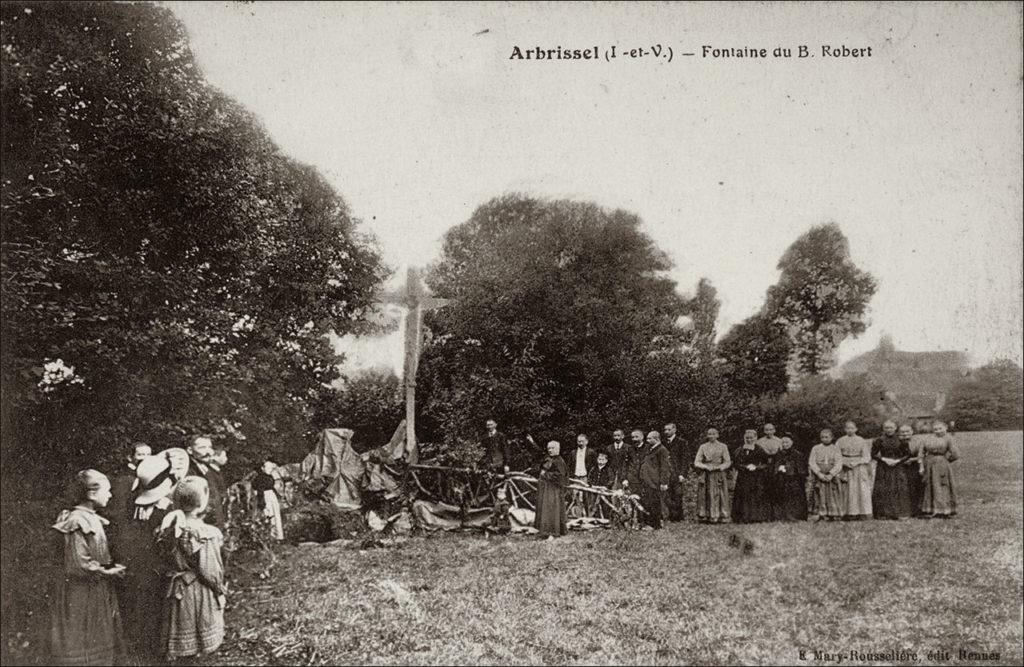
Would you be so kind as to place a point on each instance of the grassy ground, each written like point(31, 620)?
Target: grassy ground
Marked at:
point(682, 595)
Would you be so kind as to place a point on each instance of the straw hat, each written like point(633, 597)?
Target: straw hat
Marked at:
point(156, 475)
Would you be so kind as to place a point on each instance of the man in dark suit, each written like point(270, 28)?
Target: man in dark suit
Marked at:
point(200, 456)
point(632, 479)
point(655, 477)
point(497, 454)
point(620, 456)
point(676, 446)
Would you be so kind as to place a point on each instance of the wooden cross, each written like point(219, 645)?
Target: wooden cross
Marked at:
point(416, 300)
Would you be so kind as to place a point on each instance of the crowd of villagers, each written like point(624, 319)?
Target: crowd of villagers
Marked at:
point(893, 476)
point(141, 562)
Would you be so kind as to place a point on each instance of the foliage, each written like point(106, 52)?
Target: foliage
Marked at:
point(823, 402)
point(166, 270)
point(558, 304)
point(756, 355)
point(703, 310)
point(371, 404)
point(821, 297)
point(993, 399)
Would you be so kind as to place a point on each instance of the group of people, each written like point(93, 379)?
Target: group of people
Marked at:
point(142, 570)
point(892, 476)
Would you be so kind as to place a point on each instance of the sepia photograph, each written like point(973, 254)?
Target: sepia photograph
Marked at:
point(511, 333)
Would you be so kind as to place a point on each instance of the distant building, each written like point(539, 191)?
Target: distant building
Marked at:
point(916, 383)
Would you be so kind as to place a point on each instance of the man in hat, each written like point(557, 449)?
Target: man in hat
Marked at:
point(201, 456)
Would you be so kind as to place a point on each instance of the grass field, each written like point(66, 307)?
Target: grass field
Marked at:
point(682, 595)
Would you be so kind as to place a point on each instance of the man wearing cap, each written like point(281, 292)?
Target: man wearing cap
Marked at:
point(201, 456)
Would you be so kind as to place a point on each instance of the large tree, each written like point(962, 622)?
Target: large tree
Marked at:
point(558, 304)
point(992, 399)
point(821, 297)
point(157, 242)
point(703, 310)
point(755, 355)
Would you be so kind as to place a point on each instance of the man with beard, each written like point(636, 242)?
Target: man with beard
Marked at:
point(201, 455)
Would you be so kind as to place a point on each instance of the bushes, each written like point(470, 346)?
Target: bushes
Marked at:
point(991, 400)
point(822, 402)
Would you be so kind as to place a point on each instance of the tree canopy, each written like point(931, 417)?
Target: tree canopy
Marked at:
point(821, 297)
point(993, 399)
point(561, 306)
point(166, 269)
point(756, 353)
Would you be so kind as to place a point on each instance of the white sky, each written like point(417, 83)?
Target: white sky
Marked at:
point(915, 152)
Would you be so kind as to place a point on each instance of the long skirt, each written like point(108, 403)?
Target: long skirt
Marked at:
point(142, 604)
point(915, 484)
point(749, 504)
point(891, 495)
point(938, 496)
point(857, 490)
point(193, 620)
point(713, 503)
point(827, 498)
point(774, 495)
point(550, 516)
point(791, 499)
point(272, 511)
point(85, 623)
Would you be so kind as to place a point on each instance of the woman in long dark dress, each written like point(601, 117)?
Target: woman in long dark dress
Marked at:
point(749, 504)
point(790, 472)
point(550, 518)
point(890, 497)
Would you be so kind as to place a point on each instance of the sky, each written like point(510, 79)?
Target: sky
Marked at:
point(417, 115)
